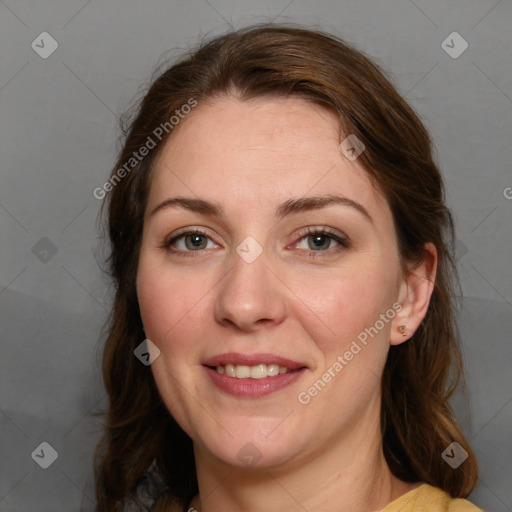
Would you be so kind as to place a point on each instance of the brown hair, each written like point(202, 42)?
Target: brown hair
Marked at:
point(143, 450)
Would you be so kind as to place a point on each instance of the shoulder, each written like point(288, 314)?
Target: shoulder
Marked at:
point(460, 505)
point(427, 498)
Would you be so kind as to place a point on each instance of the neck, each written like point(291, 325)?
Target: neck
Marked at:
point(349, 475)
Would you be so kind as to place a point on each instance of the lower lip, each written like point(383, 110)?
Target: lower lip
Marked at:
point(253, 388)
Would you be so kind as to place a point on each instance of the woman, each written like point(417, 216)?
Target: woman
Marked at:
point(281, 244)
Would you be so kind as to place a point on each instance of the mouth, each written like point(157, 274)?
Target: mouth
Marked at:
point(252, 375)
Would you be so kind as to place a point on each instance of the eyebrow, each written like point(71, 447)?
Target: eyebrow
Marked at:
point(291, 206)
point(192, 204)
point(317, 202)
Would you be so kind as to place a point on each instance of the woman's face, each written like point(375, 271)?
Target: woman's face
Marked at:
point(294, 265)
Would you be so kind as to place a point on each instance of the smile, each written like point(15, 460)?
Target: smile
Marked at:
point(259, 371)
point(252, 375)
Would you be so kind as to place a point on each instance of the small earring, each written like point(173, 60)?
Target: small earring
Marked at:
point(402, 330)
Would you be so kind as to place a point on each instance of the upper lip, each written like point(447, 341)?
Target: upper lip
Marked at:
point(252, 360)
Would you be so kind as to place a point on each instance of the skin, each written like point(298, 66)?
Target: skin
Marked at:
point(250, 157)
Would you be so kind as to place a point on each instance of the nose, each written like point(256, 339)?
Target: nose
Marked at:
point(251, 296)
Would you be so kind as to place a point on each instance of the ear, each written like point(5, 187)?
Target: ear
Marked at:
point(416, 288)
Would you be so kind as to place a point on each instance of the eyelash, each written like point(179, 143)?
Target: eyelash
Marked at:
point(343, 242)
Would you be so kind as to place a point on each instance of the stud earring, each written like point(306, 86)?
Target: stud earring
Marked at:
point(402, 330)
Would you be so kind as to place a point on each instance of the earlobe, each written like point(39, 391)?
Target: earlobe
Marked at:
point(415, 293)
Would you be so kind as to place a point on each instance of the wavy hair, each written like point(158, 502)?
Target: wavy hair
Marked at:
point(144, 457)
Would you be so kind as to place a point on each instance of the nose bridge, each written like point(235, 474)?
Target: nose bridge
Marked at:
point(249, 294)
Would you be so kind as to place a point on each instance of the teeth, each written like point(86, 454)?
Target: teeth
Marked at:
point(259, 371)
point(242, 372)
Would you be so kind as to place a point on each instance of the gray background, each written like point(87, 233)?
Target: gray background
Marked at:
point(58, 143)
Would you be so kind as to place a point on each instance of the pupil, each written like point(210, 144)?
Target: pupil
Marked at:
point(320, 242)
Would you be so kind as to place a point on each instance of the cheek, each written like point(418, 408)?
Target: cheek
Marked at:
point(173, 305)
point(350, 356)
point(343, 305)
point(173, 308)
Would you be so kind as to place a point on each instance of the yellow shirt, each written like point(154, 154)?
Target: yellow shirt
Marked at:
point(426, 498)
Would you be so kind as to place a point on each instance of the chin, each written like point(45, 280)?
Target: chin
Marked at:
point(252, 444)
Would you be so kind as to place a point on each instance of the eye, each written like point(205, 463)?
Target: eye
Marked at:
point(322, 240)
point(189, 241)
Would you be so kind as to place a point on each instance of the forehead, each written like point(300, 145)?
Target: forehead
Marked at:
point(265, 151)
